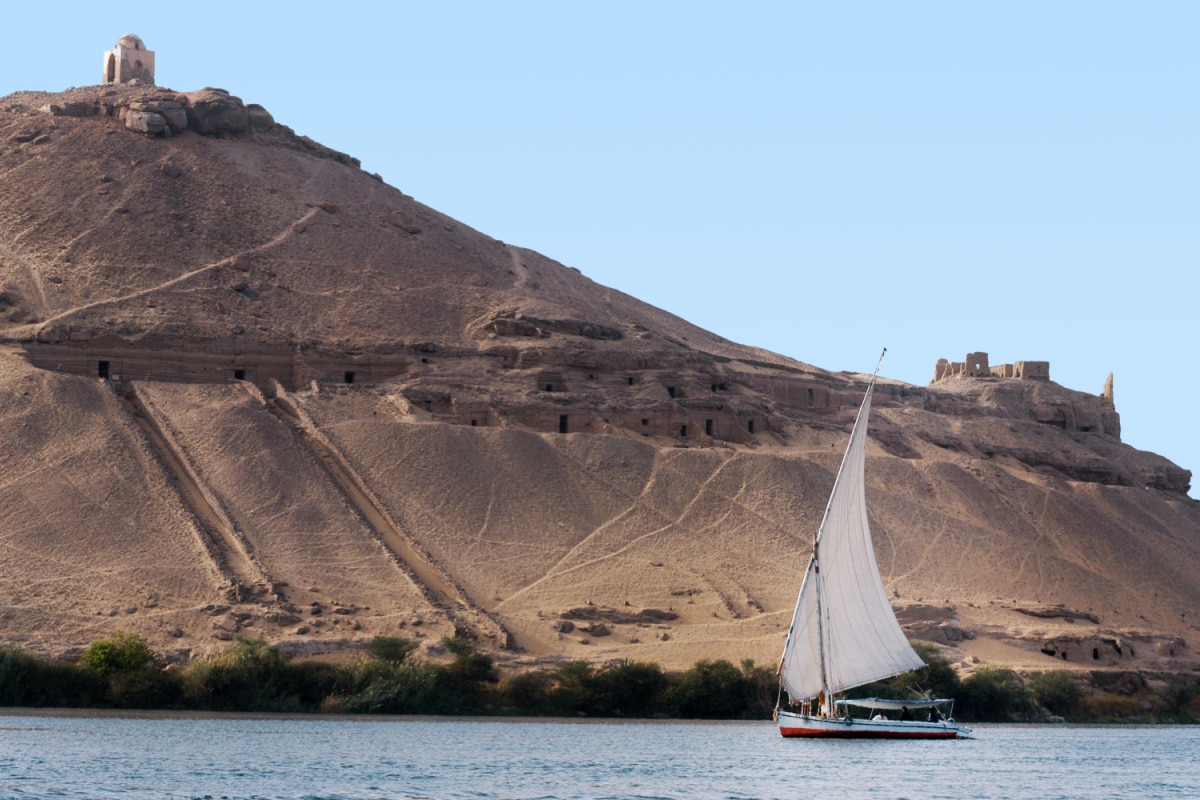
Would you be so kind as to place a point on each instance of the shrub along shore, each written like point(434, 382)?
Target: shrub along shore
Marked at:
point(255, 676)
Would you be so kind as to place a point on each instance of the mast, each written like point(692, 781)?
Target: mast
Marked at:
point(825, 699)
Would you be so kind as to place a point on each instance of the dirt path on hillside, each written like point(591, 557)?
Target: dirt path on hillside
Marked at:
point(231, 555)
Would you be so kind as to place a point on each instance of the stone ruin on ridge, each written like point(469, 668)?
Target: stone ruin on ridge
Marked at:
point(976, 366)
point(129, 61)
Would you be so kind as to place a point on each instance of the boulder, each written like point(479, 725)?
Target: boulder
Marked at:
point(174, 114)
point(260, 119)
point(74, 108)
point(215, 112)
point(148, 122)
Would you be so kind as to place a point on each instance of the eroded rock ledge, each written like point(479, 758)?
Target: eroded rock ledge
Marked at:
point(160, 112)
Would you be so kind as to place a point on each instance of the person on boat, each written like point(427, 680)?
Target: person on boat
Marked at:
point(934, 716)
point(904, 715)
point(879, 717)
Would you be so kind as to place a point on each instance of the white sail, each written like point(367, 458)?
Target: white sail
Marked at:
point(858, 639)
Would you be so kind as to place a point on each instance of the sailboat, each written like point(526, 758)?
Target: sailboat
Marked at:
point(844, 633)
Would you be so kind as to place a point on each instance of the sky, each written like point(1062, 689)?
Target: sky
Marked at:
point(819, 179)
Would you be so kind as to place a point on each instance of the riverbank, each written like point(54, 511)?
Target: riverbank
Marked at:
point(254, 677)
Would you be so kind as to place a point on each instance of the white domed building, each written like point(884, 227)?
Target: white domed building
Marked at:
point(128, 62)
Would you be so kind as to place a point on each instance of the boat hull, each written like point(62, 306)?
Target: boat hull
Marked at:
point(791, 724)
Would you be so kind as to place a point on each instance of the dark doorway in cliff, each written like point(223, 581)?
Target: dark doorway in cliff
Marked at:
point(708, 427)
point(1095, 654)
point(671, 391)
point(683, 431)
point(750, 426)
point(102, 369)
point(239, 374)
point(812, 397)
point(562, 423)
point(349, 376)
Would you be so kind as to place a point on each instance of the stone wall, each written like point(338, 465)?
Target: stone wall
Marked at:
point(1031, 370)
point(975, 365)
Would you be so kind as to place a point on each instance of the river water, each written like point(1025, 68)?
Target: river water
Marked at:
point(238, 757)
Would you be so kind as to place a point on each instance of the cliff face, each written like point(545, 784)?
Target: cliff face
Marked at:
point(250, 389)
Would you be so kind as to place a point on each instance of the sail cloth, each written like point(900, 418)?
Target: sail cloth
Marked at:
point(863, 641)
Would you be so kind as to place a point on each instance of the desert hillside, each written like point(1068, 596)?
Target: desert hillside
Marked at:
point(248, 389)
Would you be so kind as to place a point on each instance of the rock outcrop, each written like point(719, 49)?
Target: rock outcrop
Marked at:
point(215, 112)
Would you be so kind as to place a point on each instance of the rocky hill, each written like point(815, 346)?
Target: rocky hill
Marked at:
point(249, 389)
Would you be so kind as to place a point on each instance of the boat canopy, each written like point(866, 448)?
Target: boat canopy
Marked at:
point(883, 704)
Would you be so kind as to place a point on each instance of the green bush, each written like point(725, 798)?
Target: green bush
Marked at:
point(627, 689)
point(764, 690)
point(991, 695)
point(144, 688)
point(17, 667)
point(125, 652)
point(526, 693)
point(392, 649)
point(463, 682)
point(28, 679)
point(469, 665)
point(571, 692)
point(129, 678)
point(1183, 700)
point(307, 684)
point(1057, 692)
point(710, 690)
point(1111, 707)
point(250, 676)
point(373, 687)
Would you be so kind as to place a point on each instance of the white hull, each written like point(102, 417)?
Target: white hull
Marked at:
point(791, 724)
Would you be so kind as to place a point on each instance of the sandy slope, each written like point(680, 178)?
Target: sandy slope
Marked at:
point(298, 528)
point(93, 538)
point(1011, 523)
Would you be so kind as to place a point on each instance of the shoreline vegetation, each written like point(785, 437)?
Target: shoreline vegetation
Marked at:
point(254, 676)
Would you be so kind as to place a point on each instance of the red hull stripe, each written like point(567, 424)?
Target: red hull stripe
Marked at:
point(866, 734)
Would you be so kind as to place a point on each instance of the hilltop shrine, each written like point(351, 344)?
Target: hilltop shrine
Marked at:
point(129, 61)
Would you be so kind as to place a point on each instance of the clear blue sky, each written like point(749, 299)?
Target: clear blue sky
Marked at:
point(1021, 178)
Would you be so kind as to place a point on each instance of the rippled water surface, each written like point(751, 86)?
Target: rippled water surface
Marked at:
point(64, 756)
